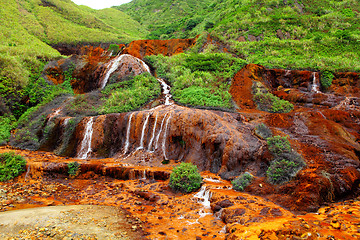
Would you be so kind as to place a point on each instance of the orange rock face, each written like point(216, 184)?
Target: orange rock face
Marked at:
point(142, 48)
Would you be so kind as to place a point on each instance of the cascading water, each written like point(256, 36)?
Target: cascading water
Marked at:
point(143, 132)
point(85, 148)
point(164, 138)
point(315, 86)
point(126, 148)
point(159, 134)
point(203, 197)
point(153, 133)
point(114, 64)
point(166, 91)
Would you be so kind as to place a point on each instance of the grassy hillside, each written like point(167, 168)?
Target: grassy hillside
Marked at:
point(307, 34)
point(29, 27)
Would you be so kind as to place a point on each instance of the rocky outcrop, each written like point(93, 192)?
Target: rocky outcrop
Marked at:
point(142, 48)
point(88, 71)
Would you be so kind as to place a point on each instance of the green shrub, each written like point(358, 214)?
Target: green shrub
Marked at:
point(185, 178)
point(263, 131)
point(278, 145)
point(6, 124)
point(326, 79)
point(241, 182)
point(130, 95)
point(282, 170)
point(286, 163)
point(271, 103)
point(11, 165)
point(73, 169)
point(114, 48)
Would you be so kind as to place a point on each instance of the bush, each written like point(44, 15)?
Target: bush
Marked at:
point(282, 170)
point(278, 145)
point(185, 178)
point(6, 124)
point(114, 48)
point(73, 169)
point(241, 182)
point(286, 163)
point(11, 165)
point(271, 103)
point(326, 79)
point(263, 131)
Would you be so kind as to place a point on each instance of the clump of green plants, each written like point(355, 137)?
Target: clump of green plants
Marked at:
point(286, 162)
point(11, 165)
point(73, 169)
point(263, 131)
point(6, 124)
point(185, 178)
point(199, 79)
point(326, 79)
point(241, 182)
point(130, 95)
point(278, 145)
point(271, 103)
point(114, 48)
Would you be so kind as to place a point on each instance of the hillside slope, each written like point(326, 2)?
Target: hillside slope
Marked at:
point(29, 27)
point(307, 34)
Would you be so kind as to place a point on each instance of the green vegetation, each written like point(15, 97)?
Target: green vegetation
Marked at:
point(73, 168)
point(271, 103)
point(286, 162)
point(326, 79)
point(6, 124)
point(130, 94)
point(241, 182)
point(263, 131)
point(185, 178)
point(278, 34)
point(201, 80)
point(11, 165)
point(114, 48)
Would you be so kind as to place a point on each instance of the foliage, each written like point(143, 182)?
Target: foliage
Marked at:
point(73, 168)
point(185, 178)
point(271, 103)
point(286, 163)
point(114, 48)
point(278, 145)
point(198, 79)
point(241, 182)
point(326, 79)
point(130, 95)
point(11, 165)
point(263, 131)
point(6, 125)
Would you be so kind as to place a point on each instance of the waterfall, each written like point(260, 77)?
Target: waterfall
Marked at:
point(315, 85)
point(86, 142)
point(153, 133)
point(144, 175)
point(203, 197)
point(164, 139)
point(114, 64)
point(158, 136)
point(128, 134)
point(143, 132)
point(166, 91)
point(144, 65)
point(27, 172)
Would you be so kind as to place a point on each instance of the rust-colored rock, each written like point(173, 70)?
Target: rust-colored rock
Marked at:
point(142, 48)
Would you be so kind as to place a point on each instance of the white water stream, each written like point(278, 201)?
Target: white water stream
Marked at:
point(126, 148)
point(164, 138)
point(203, 197)
point(315, 85)
point(143, 132)
point(153, 133)
point(85, 148)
